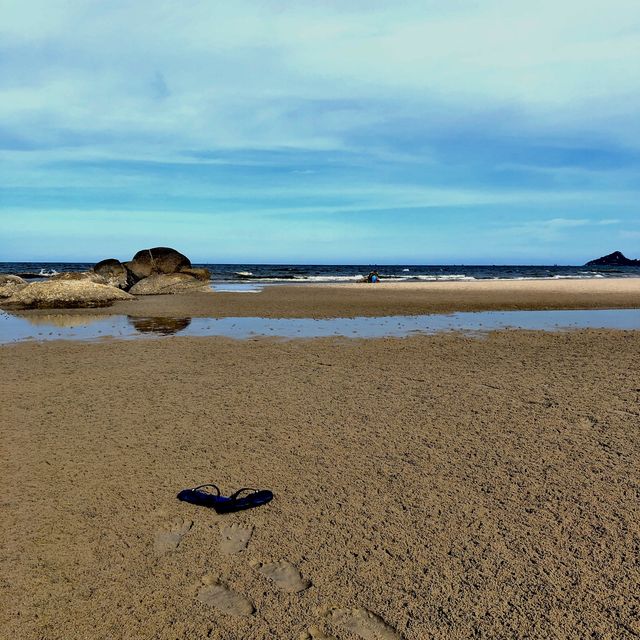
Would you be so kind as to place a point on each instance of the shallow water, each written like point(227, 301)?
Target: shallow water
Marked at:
point(229, 287)
point(54, 326)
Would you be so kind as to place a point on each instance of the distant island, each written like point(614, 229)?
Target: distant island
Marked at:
point(615, 259)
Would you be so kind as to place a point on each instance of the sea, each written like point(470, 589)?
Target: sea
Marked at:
point(336, 273)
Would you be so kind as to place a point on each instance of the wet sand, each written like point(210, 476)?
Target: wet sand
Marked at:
point(316, 301)
point(449, 487)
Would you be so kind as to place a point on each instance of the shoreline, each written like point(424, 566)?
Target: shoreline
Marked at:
point(350, 300)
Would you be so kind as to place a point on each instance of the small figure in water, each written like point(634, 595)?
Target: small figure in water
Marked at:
point(373, 276)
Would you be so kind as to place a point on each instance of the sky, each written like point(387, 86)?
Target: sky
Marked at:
point(341, 131)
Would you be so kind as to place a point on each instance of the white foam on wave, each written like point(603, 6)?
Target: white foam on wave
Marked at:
point(283, 280)
point(47, 274)
point(584, 276)
point(355, 278)
point(362, 278)
point(426, 278)
point(555, 277)
point(452, 276)
point(412, 277)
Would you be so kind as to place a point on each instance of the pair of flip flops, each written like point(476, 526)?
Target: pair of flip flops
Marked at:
point(223, 504)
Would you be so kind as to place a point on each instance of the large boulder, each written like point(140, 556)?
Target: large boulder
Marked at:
point(115, 273)
point(164, 283)
point(157, 260)
point(56, 294)
point(10, 285)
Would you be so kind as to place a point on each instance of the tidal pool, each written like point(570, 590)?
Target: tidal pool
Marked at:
point(52, 326)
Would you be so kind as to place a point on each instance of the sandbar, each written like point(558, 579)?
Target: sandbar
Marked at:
point(383, 299)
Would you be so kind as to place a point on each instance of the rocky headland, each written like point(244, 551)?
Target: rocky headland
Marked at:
point(615, 259)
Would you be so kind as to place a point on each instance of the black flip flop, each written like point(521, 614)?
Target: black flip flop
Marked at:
point(224, 504)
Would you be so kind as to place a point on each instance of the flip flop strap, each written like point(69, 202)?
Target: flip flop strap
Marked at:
point(202, 486)
point(235, 495)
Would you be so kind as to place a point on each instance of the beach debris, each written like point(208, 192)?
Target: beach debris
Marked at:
point(170, 538)
point(361, 622)
point(209, 495)
point(234, 538)
point(69, 293)
point(285, 575)
point(225, 600)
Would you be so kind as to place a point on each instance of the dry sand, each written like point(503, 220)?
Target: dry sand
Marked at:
point(383, 299)
point(429, 487)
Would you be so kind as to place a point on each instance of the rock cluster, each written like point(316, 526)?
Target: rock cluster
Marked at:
point(160, 270)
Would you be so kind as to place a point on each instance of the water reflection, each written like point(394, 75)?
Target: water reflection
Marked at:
point(15, 328)
point(160, 325)
point(62, 320)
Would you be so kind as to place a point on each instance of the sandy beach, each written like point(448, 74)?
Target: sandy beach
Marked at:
point(373, 265)
point(428, 487)
point(383, 299)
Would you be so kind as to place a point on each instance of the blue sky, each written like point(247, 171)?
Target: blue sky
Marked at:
point(336, 131)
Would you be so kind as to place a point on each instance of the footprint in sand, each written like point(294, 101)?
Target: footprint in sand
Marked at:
point(363, 623)
point(285, 575)
point(315, 633)
point(224, 600)
point(234, 538)
point(168, 539)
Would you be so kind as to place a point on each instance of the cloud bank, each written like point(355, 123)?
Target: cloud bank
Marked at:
point(505, 111)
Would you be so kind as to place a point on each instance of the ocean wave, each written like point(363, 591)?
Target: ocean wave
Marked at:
point(584, 276)
point(389, 277)
point(301, 278)
point(452, 276)
point(31, 275)
point(554, 277)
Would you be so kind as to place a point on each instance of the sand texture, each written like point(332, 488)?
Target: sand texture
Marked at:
point(384, 299)
point(429, 487)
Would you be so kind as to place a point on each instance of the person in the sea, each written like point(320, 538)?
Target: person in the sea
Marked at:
point(373, 277)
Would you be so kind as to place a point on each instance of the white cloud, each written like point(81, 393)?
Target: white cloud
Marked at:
point(546, 231)
point(308, 75)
